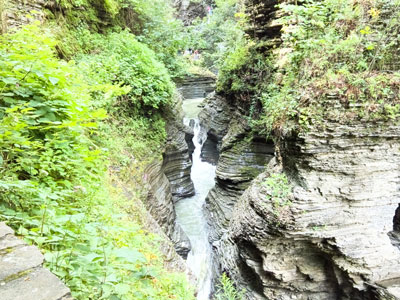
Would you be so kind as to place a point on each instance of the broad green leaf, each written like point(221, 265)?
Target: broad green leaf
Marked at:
point(10, 80)
point(54, 80)
point(130, 255)
point(122, 289)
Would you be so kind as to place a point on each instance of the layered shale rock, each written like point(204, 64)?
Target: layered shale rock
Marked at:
point(196, 86)
point(330, 238)
point(242, 158)
point(161, 207)
point(176, 161)
point(215, 117)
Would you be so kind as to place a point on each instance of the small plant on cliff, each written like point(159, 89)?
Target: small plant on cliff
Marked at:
point(279, 189)
point(227, 291)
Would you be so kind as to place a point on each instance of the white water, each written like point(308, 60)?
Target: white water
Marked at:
point(190, 215)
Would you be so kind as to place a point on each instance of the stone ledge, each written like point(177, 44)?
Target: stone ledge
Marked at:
point(22, 276)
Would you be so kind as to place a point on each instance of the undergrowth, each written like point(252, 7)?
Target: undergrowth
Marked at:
point(336, 60)
point(227, 291)
point(68, 132)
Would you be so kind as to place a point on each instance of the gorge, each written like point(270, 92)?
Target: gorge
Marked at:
point(218, 150)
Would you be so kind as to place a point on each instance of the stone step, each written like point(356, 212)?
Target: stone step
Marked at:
point(39, 284)
point(22, 276)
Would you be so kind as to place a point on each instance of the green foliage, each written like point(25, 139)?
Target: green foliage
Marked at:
point(45, 120)
point(227, 291)
point(55, 139)
point(279, 189)
point(336, 60)
point(156, 26)
point(151, 22)
point(219, 34)
point(137, 116)
point(124, 60)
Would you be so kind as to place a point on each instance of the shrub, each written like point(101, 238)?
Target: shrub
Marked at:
point(54, 188)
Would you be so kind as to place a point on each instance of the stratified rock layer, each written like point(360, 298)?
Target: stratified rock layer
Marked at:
point(242, 158)
point(215, 117)
point(177, 163)
point(196, 86)
point(331, 239)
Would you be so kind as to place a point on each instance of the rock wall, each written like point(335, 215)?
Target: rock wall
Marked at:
point(188, 10)
point(337, 234)
point(14, 13)
point(22, 276)
point(196, 86)
point(242, 156)
point(169, 180)
point(161, 207)
point(176, 161)
point(331, 240)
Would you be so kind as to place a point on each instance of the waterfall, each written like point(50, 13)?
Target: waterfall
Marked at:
point(190, 216)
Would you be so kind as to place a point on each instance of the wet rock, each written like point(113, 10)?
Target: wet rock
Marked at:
point(189, 135)
point(209, 152)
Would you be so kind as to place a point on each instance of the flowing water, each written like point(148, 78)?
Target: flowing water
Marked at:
point(189, 211)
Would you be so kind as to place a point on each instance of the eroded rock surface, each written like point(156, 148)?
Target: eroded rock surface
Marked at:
point(196, 86)
point(242, 158)
point(177, 163)
point(189, 10)
point(330, 240)
point(215, 117)
point(22, 276)
point(160, 205)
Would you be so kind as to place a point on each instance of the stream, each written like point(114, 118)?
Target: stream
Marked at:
point(189, 210)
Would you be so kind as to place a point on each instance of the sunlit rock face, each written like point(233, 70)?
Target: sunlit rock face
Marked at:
point(336, 237)
point(188, 10)
point(177, 163)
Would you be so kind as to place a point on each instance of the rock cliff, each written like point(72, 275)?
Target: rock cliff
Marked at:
point(161, 208)
point(188, 10)
point(335, 234)
point(331, 238)
point(196, 86)
point(176, 161)
point(169, 180)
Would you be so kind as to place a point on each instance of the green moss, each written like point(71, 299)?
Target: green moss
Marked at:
point(17, 275)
